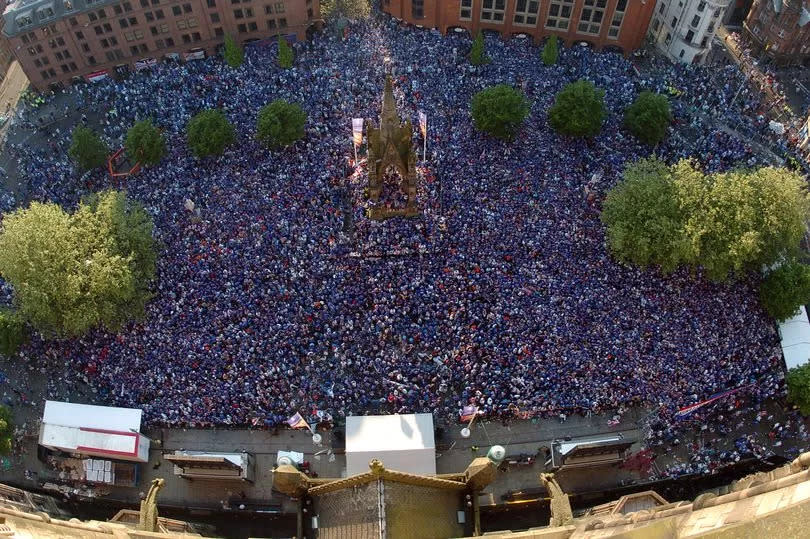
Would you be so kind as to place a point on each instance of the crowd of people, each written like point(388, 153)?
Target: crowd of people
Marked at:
point(501, 295)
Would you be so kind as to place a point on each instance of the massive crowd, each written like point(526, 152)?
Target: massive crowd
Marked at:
point(501, 295)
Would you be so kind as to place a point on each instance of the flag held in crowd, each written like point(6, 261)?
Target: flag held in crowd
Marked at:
point(686, 410)
point(357, 131)
point(423, 123)
point(297, 422)
point(467, 413)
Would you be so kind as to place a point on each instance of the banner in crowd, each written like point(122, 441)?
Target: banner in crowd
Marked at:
point(467, 413)
point(297, 422)
point(423, 123)
point(685, 411)
point(145, 63)
point(357, 131)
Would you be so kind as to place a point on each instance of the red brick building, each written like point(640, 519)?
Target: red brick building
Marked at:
point(780, 30)
point(613, 24)
point(57, 41)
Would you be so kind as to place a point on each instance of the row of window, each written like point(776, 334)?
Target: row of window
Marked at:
point(527, 13)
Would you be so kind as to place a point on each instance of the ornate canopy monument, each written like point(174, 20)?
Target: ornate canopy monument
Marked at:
point(390, 146)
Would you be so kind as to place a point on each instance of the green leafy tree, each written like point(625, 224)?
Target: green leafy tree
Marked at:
point(798, 384)
point(209, 133)
point(145, 143)
point(499, 111)
point(12, 332)
point(478, 55)
point(648, 117)
point(578, 110)
point(280, 124)
point(232, 53)
point(644, 221)
point(6, 430)
point(285, 53)
point(741, 220)
point(785, 289)
point(87, 149)
point(74, 272)
point(351, 9)
point(551, 51)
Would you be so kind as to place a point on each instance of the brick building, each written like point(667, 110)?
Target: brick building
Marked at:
point(612, 24)
point(779, 30)
point(58, 41)
point(6, 56)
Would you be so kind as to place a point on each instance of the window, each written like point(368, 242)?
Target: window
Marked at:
point(155, 2)
point(187, 38)
point(102, 14)
point(176, 11)
point(680, 54)
point(64, 68)
point(192, 22)
point(590, 20)
point(110, 56)
point(159, 43)
point(238, 14)
point(60, 41)
point(716, 13)
point(218, 32)
point(123, 23)
point(701, 6)
point(129, 36)
point(493, 10)
point(186, 8)
point(149, 16)
point(181, 25)
point(309, 13)
point(526, 12)
point(73, 66)
point(212, 3)
point(127, 6)
point(271, 24)
point(44, 74)
point(118, 10)
point(170, 42)
point(668, 39)
point(215, 17)
point(559, 14)
point(695, 21)
point(133, 21)
point(248, 12)
point(242, 28)
point(268, 10)
point(282, 22)
point(92, 16)
point(91, 60)
point(85, 47)
point(58, 56)
point(105, 44)
point(159, 14)
point(417, 9)
point(144, 3)
point(280, 7)
point(138, 35)
point(163, 28)
point(252, 26)
point(618, 17)
point(98, 30)
point(690, 35)
point(704, 42)
point(74, 21)
point(154, 30)
point(118, 54)
point(39, 48)
point(710, 28)
point(674, 22)
point(37, 62)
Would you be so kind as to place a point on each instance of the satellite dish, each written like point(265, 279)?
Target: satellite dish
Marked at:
point(285, 461)
point(496, 454)
point(316, 439)
point(465, 432)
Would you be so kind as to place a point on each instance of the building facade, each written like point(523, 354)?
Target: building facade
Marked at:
point(6, 55)
point(59, 41)
point(778, 30)
point(683, 29)
point(605, 24)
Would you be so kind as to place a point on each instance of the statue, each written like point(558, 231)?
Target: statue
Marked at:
point(390, 146)
point(149, 512)
point(560, 506)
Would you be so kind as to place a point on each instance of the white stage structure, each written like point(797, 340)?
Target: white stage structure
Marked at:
point(403, 443)
point(795, 335)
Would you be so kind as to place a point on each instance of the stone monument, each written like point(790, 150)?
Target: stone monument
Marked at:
point(389, 145)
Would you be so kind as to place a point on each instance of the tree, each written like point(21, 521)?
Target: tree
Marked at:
point(798, 384)
point(578, 110)
point(550, 51)
point(12, 332)
point(499, 111)
point(209, 133)
point(74, 272)
point(644, 221)
point(741, 220)
point(6, 430)
point(232, 53)
point(351, 9)
point(145, 143)
point(285, 53)
point(478, 55)
point(87, 149)
point(280, 124)
point(648, 117)
point(785, 289)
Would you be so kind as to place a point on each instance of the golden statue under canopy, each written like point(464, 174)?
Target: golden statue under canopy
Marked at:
point(389, 146)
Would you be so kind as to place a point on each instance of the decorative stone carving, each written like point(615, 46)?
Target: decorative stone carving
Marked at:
point(561, 514)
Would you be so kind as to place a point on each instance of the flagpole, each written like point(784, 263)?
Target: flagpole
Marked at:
point(424, 151)
point(355, 152)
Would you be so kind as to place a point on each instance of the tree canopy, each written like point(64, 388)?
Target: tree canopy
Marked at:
point(87, 149)
point(6, 430)
point(285, 53)
point(785, 289)
point(209, 133)
point(232, 53)
point(351, 9)
point(280, 123)
point(578, 110)
point(643, 217)
point(478, 55)
point(727, 223)
point(499, 111)
point(145, 143)
point(12, 332)
point(71, 273)
point(798, 384)
point(551, 51)
point(648, 117)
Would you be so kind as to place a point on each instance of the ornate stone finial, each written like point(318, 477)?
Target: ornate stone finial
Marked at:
point(149, 512)
point(561, 514)
point(376, 467)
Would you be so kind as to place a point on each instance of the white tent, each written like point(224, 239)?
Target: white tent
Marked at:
point(795, 335)
point(101, 431)
point(403, 443)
